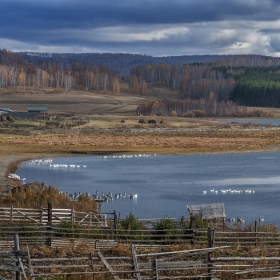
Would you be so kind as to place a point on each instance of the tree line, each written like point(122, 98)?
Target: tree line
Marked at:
point(18, 75)
point(197, 108)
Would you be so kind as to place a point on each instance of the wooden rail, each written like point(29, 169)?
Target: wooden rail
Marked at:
point(144, 262)
point(41, 216)
point(95, 237)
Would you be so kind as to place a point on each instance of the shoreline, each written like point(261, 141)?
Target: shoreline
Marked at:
point(9, 163)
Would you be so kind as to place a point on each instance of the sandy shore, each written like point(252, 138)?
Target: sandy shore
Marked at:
point(7, 162)
point(10, 162)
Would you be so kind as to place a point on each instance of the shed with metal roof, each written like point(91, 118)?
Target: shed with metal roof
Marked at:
point(37, 109)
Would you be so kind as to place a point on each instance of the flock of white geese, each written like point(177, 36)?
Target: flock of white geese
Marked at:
point(228, 191)
point(57, 165)
point(53, 165)
point(127, 156)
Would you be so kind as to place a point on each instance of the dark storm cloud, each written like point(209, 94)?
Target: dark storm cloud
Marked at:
point(89, 13)
point(128, 25)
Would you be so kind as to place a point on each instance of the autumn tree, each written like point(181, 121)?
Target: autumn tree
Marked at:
point(134, 84)
point(115, 85)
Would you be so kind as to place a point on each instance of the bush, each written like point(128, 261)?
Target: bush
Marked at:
point(132, 226)
point(165, 227)
point(131, 223)
point(200, 113)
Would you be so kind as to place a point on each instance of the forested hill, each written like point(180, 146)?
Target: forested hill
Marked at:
point(249, 80)
point(118, 62)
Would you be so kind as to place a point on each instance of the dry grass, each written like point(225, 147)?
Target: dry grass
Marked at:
point(37, 194)
point(144, 142)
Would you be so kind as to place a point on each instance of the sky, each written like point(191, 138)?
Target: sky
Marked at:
point(150, 27)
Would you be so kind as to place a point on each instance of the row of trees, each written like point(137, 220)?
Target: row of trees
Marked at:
point(191, 80)
point(247, 86)
point(19, 75)
point(196, 108)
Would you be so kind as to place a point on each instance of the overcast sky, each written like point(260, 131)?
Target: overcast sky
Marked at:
point(152, 27)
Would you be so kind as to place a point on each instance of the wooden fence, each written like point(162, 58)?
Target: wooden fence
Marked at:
point(44, 216)
point(95, 237)
point(143, 262)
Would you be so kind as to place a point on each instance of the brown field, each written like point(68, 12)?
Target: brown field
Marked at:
point(80, 103)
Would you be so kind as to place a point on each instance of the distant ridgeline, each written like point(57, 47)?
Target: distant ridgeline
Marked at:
point(119, 62)
point(199, 85)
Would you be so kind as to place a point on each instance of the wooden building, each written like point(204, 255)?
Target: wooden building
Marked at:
point(214, 214)
point(207, 211)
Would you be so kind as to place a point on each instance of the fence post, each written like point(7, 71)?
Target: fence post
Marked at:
point(256, 235)
point(73, 215)
point(41, 215)
point(49, 228)
point(210, 240)
point(11, 214)
point(192, 227)
point(90, 218)
point(16, 249)
point(116, 225)
point(156, 268)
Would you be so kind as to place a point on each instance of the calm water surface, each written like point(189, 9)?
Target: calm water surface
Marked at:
point(165, 184)
point(273, 122)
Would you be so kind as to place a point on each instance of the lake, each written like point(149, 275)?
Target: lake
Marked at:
point(260, 121)
point(247, 183)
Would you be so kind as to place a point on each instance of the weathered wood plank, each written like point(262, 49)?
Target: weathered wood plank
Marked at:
point(108, 266)
point(135, 263)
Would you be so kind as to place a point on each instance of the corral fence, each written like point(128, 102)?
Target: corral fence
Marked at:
point(143, 262)
point(64, 227)
point(49, 215)
point(73, 235)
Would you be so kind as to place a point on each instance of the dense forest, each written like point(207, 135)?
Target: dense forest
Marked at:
point(205, 85)
point(217, 88)
point(257, 86)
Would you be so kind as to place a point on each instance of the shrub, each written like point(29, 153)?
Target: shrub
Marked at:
point(131, 223)
point(164, 228)
point(200, 113)
point(132, 227)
